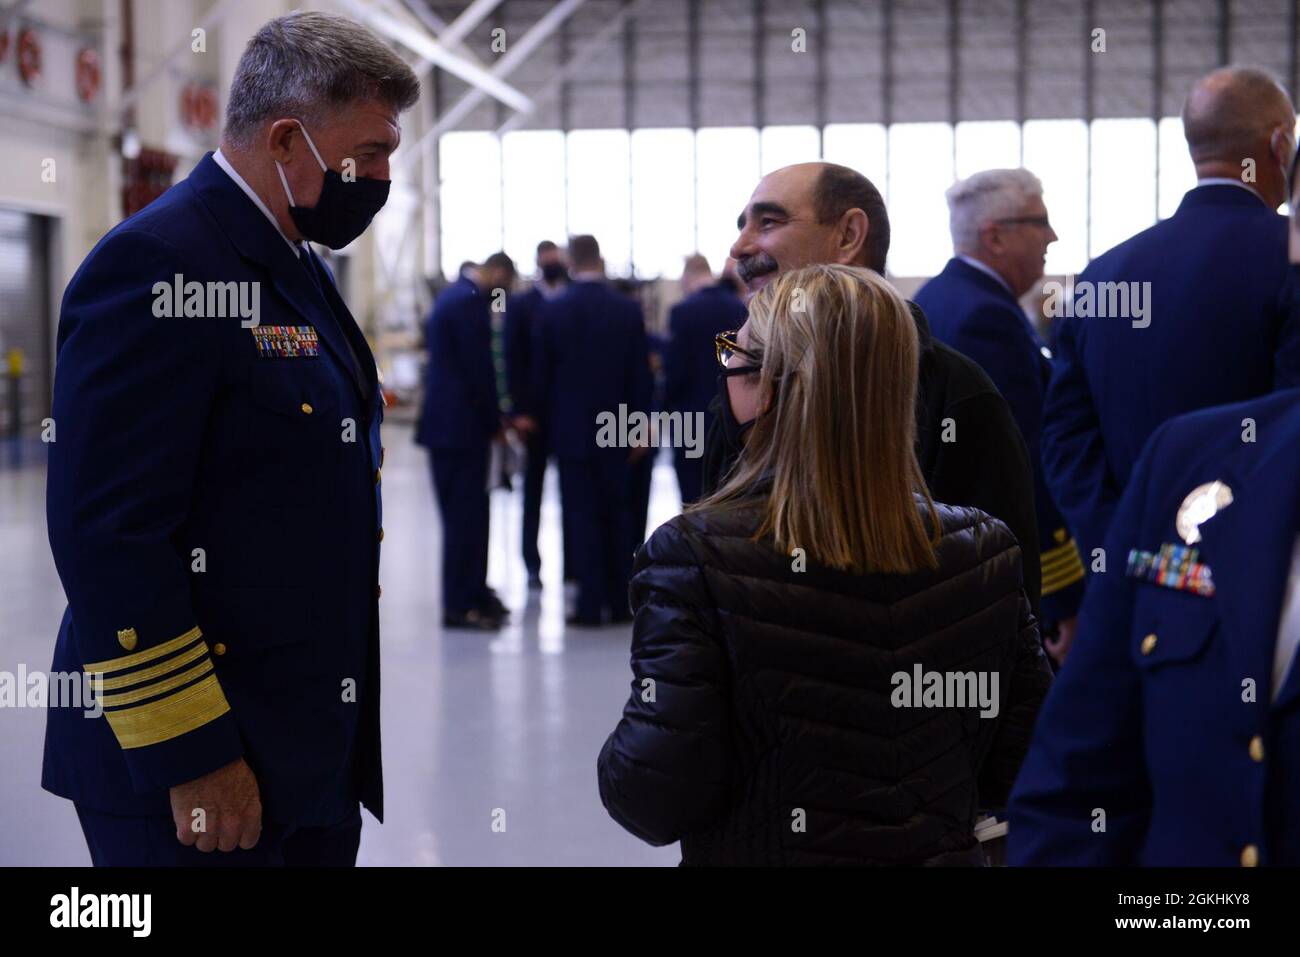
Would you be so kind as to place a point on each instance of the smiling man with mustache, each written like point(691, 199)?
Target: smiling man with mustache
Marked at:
point(969, 447)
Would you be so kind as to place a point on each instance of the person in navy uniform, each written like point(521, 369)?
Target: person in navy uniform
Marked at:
point(520, 332)
point(1172, 736)
point(1209, 320)
point(214, 492)
point(460, 418)
point(591, 359)
point(1000, 235)
point(690, 366)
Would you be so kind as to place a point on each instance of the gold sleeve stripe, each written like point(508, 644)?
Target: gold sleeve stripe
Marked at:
point(1061, 553)
point(149, 654)
point(147, 674)
point(170, 717)
point(158, 687)
point(1054, 583)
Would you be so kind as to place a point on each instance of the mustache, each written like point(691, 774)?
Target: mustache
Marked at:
point(755, 265)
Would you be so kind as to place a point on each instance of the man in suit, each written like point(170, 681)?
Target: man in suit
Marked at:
point(520, 332)
point(592, 362)
point(690, 367)
point(1189, 313)
point(968, 445)
point(1000, 235)
point(213, 496)
point(1172, 737)
point(459, 420)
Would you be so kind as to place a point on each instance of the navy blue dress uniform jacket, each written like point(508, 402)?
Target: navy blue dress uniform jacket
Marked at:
point(519, 336)
point(1163, 716)
point(973, 313)
point(690, 363)
point(461, 408)
point(592, 357)
point(1223, 328)
point(180, 434)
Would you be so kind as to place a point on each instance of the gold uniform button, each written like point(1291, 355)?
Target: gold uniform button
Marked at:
point(307, 409)
point(381, 455)
point(1249, 856)
point(381, 534)
point(379, 591)
point(378, 474)
point(1148, 644)
point(1257, 748)
point(218, 649)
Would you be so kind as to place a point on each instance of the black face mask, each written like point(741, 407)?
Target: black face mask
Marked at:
point(554, 272)
point(344, 209)
point(733, 431)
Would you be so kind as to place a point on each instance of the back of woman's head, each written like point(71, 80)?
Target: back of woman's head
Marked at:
point(837, 350)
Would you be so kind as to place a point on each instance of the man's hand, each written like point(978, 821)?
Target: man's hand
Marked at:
point(525, 425)
point(231, 807)
point(1060, 647)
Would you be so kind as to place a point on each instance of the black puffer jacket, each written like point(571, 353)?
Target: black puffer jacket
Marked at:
point(760, 728)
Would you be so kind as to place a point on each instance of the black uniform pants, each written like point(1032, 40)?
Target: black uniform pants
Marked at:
point(460, 483)
point(534, 478)
point(117, 840)
point(596, 496)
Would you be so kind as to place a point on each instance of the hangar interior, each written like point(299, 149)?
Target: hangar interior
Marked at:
point(645, 123)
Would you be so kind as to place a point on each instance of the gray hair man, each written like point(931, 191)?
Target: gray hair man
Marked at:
point(1000, 235)
point(214, 500)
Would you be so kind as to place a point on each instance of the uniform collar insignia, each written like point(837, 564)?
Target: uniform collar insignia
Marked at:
point(1201, 504)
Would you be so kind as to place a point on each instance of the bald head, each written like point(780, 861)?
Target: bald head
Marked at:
point(1233, 110)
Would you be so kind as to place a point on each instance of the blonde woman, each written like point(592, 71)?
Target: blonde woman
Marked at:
point(829, 667)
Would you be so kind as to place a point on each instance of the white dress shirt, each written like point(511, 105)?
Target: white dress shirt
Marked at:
point(1229, 181)
point(229, 170)
point(1288, 632)
point(988, 271)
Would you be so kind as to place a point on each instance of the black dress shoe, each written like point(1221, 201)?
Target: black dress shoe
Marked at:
point(492, 605)
point(473, 620)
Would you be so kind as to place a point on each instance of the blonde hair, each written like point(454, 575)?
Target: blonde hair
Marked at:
point(839, 353)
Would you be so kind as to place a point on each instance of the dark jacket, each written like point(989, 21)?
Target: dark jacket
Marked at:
point(180, 434)
point(769, 698)
point(1151, 720)
point(590, 357)
point(1221, 324)
point(986, 467)
point(690, 364)
point(460, 408)
point(979, 317)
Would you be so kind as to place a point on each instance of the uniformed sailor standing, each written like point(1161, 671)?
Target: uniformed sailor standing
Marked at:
point(1193, 312)
point(213, 497)
point(1172, 735)
point(1000, 235)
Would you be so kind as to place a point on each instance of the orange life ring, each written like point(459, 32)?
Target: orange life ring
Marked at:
point(29, 56)
point(87, 74)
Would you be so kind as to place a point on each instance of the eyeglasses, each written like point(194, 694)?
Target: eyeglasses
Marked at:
point(725, 346)
point(1041, 221)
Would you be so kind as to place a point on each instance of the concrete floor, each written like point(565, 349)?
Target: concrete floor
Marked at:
point(471, 723)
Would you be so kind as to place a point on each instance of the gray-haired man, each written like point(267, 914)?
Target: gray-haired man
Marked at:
point(1000, 235)
point(213, 499)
